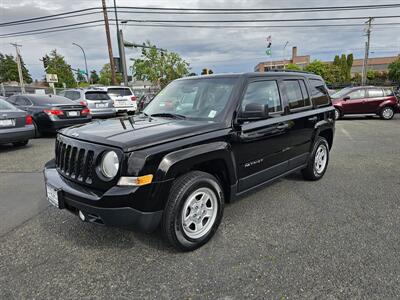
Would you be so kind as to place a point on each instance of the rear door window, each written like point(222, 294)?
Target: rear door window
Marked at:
point(319, 93)
point(295, 96)
point(375, 93)
point(388, 92)
point(96, 96)
point(23, 101)
point(119, 91)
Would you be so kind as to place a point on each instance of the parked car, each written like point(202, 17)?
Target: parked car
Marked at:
point(123, 97)
point(144, 100)
point(15, 125)
point(50, 112)
point(366, 100)
point(178, 168)
point(98, 102)
point(3, 98)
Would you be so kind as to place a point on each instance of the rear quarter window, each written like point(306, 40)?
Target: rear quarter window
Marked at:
point(319, 93)
point(388, 92)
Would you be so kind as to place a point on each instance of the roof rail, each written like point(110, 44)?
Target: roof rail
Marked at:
point(294, 71)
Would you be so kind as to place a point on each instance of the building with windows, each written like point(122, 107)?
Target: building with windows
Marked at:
point(301, 61)
point(380, 64)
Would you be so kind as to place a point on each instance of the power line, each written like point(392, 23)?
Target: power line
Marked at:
point(171, 10)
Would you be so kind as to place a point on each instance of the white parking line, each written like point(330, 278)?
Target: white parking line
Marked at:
point(346, 133)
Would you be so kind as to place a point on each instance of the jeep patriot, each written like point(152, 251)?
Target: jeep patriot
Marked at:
point(202, 142)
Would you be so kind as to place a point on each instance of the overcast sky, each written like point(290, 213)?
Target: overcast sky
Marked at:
point(223, 50)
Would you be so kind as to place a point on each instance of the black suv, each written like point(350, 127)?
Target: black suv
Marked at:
point(201, 142)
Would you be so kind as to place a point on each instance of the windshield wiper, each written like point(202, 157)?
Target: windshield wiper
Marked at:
point(169, 115)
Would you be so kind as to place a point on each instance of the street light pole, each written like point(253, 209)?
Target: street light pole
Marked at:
point(84, 56)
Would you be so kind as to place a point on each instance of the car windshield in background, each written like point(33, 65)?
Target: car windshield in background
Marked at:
point(96, 96)
point(119, 92)
point(341, 93)
point(193, 98)
point(5, 105)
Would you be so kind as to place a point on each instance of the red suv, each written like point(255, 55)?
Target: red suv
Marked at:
point(366, 100)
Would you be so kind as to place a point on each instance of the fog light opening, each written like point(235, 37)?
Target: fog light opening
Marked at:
point(82, 216)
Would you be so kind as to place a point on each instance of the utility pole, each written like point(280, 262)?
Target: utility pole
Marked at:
point(367, 46)
point(121, 50)
point(18, 58)
point(110, 53)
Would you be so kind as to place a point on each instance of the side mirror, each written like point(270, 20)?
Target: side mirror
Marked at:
point(346, 98)
point(254, 111)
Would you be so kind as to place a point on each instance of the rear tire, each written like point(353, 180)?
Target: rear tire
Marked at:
point(20, 144)
point(38, 134)
point(193, 211)
point(318, 161)
point(387, 113)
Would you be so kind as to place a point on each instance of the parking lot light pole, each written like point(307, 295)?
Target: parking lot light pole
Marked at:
point(84, 56)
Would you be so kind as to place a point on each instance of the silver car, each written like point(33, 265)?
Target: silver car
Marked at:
point(98, 101)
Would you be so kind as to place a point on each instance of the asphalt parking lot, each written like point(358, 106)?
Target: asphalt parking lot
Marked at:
point(336, 238)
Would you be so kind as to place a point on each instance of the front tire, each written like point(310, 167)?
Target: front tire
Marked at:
point(338, 114)
point(318, 161)
point(193, 211)
point(387, 113)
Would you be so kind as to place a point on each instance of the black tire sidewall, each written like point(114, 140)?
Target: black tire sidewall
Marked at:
point(184, 242)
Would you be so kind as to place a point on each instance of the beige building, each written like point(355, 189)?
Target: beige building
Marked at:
point(380, 64)
point(301, 61)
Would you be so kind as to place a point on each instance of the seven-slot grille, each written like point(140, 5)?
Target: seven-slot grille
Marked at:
point(75, 162)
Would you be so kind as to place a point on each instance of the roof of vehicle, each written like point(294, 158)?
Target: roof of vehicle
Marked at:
point(256, 74)
point(49, 98)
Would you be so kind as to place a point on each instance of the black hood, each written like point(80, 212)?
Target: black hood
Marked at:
point(132, 133)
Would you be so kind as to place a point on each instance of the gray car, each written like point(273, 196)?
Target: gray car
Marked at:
point(15, 125)
point(98, 101)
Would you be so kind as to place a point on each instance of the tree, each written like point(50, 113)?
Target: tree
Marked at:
point(105, 75)
point(9, 69)
point(350, 59)
point(336, 60)
point(293, 67)
point(159, 67)
point(394, 71)
point(57, 65)
point(94, 78)
point(331, 73)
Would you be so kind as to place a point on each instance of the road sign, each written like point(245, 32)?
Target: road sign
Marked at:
point(51, 78)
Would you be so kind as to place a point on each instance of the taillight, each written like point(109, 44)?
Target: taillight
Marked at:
point(54, 112)
point(133, 98)
point(83, 103)
point(85, 111)
point(28, 120)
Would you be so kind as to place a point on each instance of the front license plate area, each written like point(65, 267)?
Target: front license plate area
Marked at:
point(52, 196)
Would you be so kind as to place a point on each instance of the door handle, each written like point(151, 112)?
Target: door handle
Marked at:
point(313, 119)
point(282, 126)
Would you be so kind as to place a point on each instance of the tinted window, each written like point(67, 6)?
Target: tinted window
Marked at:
point(358, 94)
point(294, 94)
point(12, 99)
point(373, 93)
point(119, 91)
point(5, 105)
point(304, 91)
point(73, 95)
point(40, 100)
point(263, 92)
point(22, 101)
point(97, 96)
point(319, 94)
point(388, 92)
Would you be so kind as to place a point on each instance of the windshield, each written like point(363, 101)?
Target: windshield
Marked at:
point(97, 96)
point(119, 92)
point(5, 105)
point(341, 93)
point(194, 98)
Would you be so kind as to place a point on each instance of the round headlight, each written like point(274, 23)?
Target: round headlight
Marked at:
point(110, 164)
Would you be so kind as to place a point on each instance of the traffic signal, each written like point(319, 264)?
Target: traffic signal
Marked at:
point(45, 61)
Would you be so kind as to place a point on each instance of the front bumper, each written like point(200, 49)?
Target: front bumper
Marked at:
point(11, 135)
point(75, 198)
